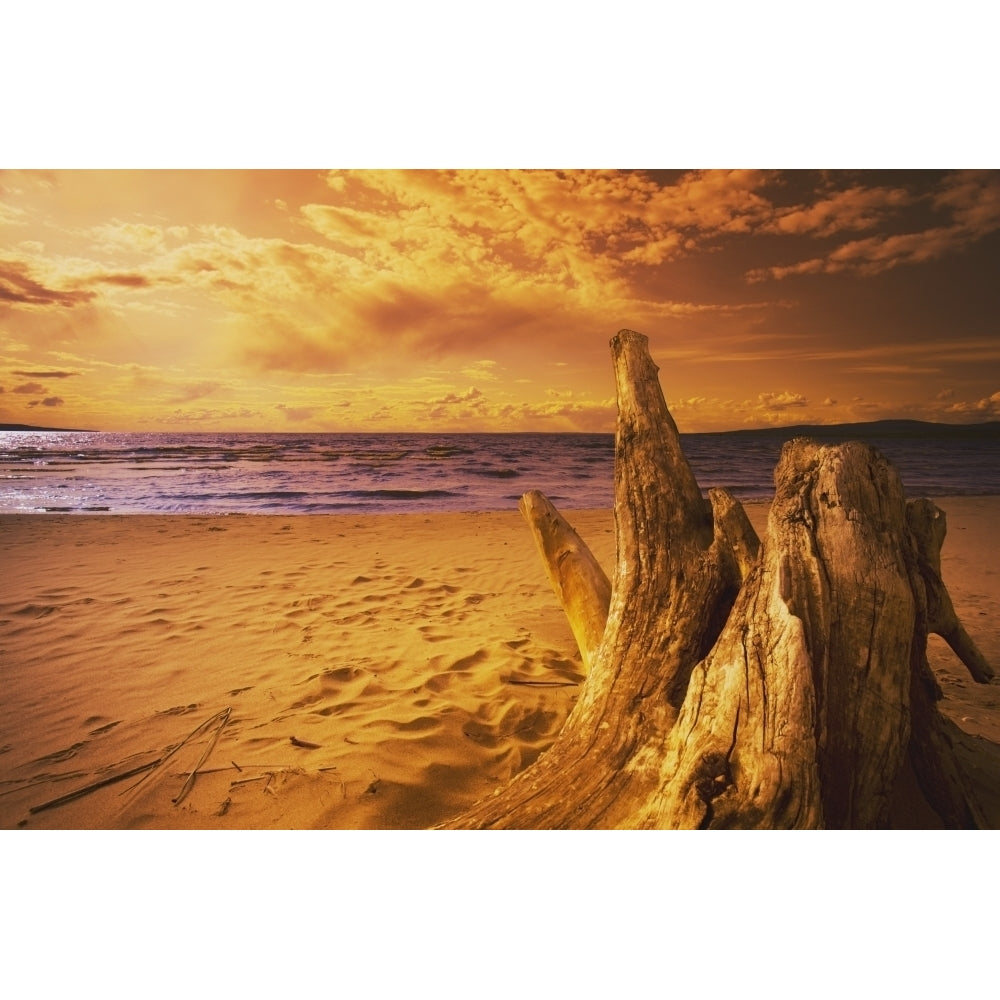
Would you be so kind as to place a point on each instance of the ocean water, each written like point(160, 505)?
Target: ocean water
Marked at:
point(128, 473)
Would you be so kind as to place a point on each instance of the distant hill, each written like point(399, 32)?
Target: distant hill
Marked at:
point(31, 427)
point(875, 429)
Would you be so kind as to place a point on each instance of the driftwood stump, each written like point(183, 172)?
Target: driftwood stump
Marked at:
point(740, 684)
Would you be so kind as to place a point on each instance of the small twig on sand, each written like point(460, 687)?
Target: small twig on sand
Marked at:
point(305, 744)
point(246, 781)
point(187, 739)
point(87, 789)
point(211, 746)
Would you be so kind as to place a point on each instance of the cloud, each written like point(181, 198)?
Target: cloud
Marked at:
point(560, 222)
point(852, 209)
point(988, 406)
point(593, 416)
point(468, 396)
point(441, 263)
point(11, 215)
point(30, 389)
point(471, 277)
point(203, 416)
point(970, 200)
point(297, 414)
point(898, 369)
point(124, 280)
point(973, 198)
point(457, 406)
point(195, 390)
point(485, 371)
point(135, 236)
point(47, 401)
point(400, 268)
point(19, 288)
point(778, 401)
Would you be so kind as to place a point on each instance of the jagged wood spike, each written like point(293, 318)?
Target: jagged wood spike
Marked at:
point(582, 586)
point(673, 583)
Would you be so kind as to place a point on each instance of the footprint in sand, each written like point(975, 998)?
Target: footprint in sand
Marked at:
point(59, 755)
point(178, 710)
point(421, 724)
point(430, 634)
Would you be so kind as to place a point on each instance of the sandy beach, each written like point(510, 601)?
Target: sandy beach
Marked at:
point(346, 672)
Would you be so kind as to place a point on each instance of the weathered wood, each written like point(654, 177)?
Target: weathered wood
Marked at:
point(740, 685)
point(928, 526)
point(582, 586)
point(675, 579)
point(798, 717)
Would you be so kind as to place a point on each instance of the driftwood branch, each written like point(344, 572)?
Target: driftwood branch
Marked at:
point(739, 684)
point(928, 526)
point(582, 586)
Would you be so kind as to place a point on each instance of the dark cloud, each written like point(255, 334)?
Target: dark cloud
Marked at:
point(18, 287)
point(125, 280)
point(966, 209)
point(52, 374)
point(48, 401)
point(31, 389)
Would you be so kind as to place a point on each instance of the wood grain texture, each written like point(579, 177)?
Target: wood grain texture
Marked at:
point(748, 685)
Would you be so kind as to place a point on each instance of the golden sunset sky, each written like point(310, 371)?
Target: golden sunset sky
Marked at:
point(484, 299)
point(478, 300)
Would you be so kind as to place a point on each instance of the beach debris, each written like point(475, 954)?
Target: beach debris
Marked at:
point(223, 718)
point(244, 781)
point(95, 786)
point(219, 719)
point(305, 744)
point(740, 684)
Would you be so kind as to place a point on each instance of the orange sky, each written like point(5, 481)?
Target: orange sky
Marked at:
point(484, 300)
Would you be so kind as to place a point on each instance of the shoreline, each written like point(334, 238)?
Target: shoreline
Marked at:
point(380, 670)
